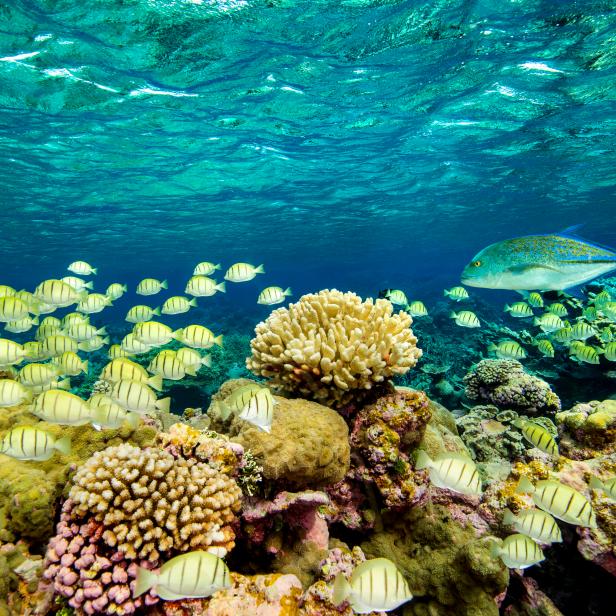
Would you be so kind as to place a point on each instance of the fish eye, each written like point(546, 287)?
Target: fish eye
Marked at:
point(476, 263)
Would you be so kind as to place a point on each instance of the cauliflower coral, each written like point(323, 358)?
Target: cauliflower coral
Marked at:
point(332, 347)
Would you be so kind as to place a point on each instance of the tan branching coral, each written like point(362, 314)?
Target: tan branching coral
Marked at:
point(150, 502)
point(332, 347)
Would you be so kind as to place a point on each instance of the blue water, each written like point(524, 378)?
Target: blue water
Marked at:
point(359, 145)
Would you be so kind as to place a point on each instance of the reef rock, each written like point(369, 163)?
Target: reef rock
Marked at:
point(307, 446)
point(442, 552)
point(588, 429)
point(504, 383)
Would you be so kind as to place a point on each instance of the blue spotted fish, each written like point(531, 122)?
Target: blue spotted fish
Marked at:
point(539, 262)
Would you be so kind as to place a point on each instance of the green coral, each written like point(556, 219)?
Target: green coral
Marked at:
point(449, 568)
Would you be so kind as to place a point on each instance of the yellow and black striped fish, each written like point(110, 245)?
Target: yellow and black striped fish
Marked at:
point(452, 471)
point(28, 443)
point(37, 374)
point(138, 397)
point(131, 344)
point(167, 365)
point(13, 393)
point(259, 410)
point(193, 575)
point(375, 585)
point(562, 501)
point(465, 318)
point(518, 552)
point(153, 333)
point(243, 272)
point(178, 305)
point(202, 286)
point(12, 309)
point(57, 344)
point(537, 435)
point(197, 337)
point(140, 313)
point(608, 486)
point(11, 352)
point(150, 286)
point(62, 407)
point(273, 295)
point(57, 293)
point(205, 268)
point(537, 524)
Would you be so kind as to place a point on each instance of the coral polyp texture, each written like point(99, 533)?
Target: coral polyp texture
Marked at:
point(150, 502)
point(504, 383)
point(333, 347)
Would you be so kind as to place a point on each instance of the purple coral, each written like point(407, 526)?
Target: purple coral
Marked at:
point(298, 509)
point(95, 578)
point(504, 383)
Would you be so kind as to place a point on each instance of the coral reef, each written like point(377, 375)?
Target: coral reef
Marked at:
point(259, 595)
point(505, 384)
point(381, 438)
point(588, 429)
point(307, 446)
point(150, 502)
point(332, 347)
point(442, 552)
point(94, 577)
point(19, 576)
point(489, 435)
point(29, 492)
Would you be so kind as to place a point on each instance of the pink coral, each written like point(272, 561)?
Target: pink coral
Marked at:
point(298, 509)
point(95, 578)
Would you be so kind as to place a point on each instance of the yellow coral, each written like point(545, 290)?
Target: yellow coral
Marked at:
point(150, 502)
point(333, 347)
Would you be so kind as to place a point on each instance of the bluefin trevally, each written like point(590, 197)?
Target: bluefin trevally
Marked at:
point(539, 262)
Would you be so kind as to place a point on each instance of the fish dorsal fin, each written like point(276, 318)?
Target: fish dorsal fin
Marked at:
point(369, 565)
point(454, 456)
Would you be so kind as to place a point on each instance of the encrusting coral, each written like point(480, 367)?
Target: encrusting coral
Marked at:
point(504, 383)
point(332, 347)
point(489, 435)
point(588, 429)
point(382, 435)
point(150, 502)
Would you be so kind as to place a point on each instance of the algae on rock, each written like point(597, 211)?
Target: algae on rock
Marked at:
point(448, 566)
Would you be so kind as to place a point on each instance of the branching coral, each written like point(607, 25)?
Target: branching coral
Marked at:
point(504, 383)
point(150, 502)
point(332, 347)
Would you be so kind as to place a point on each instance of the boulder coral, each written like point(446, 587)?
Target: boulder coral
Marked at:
point(307, 446)
point(504, 383)
point(332, 347)
point(150, 502)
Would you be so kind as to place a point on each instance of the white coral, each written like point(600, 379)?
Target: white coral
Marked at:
point(333, 347)
point(150, 502)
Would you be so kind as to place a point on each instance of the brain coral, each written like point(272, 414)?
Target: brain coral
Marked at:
point(150, 502)
point(504, 383)
point(332, 347)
